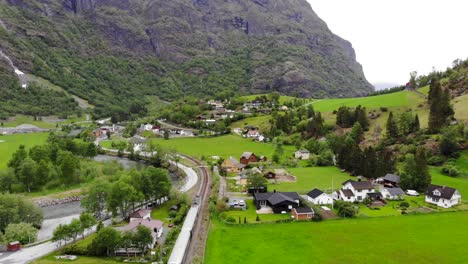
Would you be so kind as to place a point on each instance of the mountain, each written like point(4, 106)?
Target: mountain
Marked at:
point(114, 53)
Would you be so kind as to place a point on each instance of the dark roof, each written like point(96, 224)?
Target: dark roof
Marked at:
point(304, 210)
point(375, 195)
point(247, 155)
point(445, 192)
point(277, 197)
point(347, 193)
point(395, 191)
point(360, 185)
point(140, 213)
point(392, 178)
point(303, 151)
point(314, 193)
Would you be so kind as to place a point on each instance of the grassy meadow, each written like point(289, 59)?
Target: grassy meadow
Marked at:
point(460, 183)
point(407, 239)
point(223, 146)
point(309, 178)
point(10, 143)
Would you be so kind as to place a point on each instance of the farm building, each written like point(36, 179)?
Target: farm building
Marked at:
point(232, 165)
point(316, 196)
point(302, 213)
point(393, 193)
point(279, 202)
point(442, 196)
point(390, 180)
point(248, 157)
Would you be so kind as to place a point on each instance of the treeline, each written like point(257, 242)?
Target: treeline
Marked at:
point(125, 190)
point(50, 165)
point(19, 219)
point(388, 90)
point(303, 120)
point(346, 117)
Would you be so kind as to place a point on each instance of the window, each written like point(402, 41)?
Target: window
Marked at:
point(359, 198)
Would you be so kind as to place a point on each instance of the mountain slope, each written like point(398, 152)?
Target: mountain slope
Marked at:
point(114, 52)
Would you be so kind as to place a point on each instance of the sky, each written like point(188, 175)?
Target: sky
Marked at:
point(393, 38)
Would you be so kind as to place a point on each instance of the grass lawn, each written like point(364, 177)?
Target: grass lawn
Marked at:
point(108, 143)
point(162, 212)
point(312, 177)
point(81, 260)
point(429, 238)
point(223, 146)
point(403, 98)
point(261, 121)
point(460, 106)
point(251, 214)
point(10, 143)
point(462, 163)
point(459, 182)
point(22, 119)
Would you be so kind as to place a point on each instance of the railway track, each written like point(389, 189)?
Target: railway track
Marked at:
point(192, 239)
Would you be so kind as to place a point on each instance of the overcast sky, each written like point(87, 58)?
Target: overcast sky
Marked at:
point(393, 38)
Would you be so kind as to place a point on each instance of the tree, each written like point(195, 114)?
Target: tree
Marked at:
point(392, 128)
point(440, 108)
point(448, 142)
point(256, 180)
point(408, 172)
point(87, 221)
point(423, 176)
point(23, 232)
point(357, 134)
point(166, 134)
point(62, 233)
point(68, 167)
point(95, 197)
point(76, 228)
point(108, 134)
point(413, 84)
point(105, 242)
point(17, 158)
point(415, 174)
point(7, 179)
point(415, 125)
point(142, 238)
point(27, 173)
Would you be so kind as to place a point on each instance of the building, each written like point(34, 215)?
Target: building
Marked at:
point(148, 127)
point(155, 226)
point(302, 154)
point(442, 196)
point(140, 214)
point(316, 196)
point(279, 202)
point(252, 134)
point(394, 193)
point(232, 165)
point(270, 175)
point(355, 191)
point(390, 180)
point(302, 213)
point(248, 157)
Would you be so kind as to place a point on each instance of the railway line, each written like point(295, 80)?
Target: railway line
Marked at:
point(192, 238)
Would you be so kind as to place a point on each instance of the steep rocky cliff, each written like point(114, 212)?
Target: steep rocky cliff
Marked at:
point(199, 47)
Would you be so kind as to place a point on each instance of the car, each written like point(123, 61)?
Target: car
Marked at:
point(242, 203)
point(412, 193)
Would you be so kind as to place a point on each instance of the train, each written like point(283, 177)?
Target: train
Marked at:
point(181, 246)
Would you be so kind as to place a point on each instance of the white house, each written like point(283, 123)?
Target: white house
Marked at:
point(140, 214)
point(353, 191)
point(316, 196)
point(393, 193)
point(148, 127)
point(302, 154)
point(442, 196)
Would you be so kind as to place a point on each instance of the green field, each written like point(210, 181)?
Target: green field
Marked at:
point(10, 143)
point(81, 260)
point(261, 121)
point(398, 99)
point(312, 177)
point(431, 238)
point(223, 146)
point(22, 119)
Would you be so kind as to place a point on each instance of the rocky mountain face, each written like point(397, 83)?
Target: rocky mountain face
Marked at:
point(198, 47)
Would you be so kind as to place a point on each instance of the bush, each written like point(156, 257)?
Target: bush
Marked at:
point(404, 205)
point(383, 109)
point(435, 160)
point(450, 170)
point(231, 219)
point(172, 214)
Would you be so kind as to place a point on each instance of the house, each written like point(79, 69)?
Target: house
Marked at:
point(316, 196)
point(140, 214)
point(210, 122)
point(376, 199)
point(232, 165)
point(442, 196)
point(394, 193)
point(252, 134)
point(155, 226)
point(270, 175)
point(302, 213)
point(302, 154)
point(279, 202)
point(248, 157)
point(148, 127)
point(353, 191)
point(390, 180)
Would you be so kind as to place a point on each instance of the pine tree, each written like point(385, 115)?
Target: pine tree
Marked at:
point(433, 88)
point(423, 177)
point(415, 126)
point(440, 108)
point(392, 127)
point(357, 134)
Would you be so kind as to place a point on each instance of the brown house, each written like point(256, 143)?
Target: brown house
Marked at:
point(248, 157)
point(232, 165)
point(302, 213)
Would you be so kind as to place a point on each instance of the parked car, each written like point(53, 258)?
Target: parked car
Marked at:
point(242, 203)
point(412, 193)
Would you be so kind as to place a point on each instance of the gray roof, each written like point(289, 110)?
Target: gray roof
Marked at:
point(360, 185)
point(236, 163)
point(304, 210)
point(395, 191)
point(347, 192)
point(392, 178)
point(314, 193)
point(303, 151)
point(246, 155)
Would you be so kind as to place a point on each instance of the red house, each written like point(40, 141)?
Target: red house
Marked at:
point(248, 157)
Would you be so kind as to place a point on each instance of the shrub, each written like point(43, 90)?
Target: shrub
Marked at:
point(404, 205)
point(450, 170)
point(257, 219)
point(383, 109)
point(435, 160)
point(172, 214)
point(231, 219)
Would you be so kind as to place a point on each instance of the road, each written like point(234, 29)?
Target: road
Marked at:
point(29, 254)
